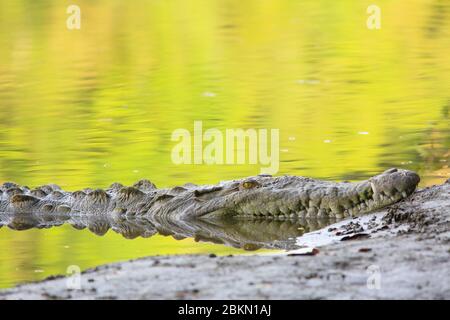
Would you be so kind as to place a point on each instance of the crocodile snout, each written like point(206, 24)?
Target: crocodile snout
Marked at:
point(394, 182)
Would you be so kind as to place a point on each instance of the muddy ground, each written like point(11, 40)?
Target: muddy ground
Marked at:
point(399, 253)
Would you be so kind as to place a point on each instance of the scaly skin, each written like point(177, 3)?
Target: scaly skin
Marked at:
point(255, 197)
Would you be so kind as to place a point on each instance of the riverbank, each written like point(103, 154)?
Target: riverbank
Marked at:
point(399, 253)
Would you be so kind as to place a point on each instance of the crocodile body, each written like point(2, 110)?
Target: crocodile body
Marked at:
point(262, 197)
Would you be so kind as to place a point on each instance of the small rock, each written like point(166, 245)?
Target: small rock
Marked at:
point(156, 262)
point(304, 252)
point(355, 236)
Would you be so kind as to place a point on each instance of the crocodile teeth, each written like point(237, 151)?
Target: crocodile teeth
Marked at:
point(404, 195)
point(312, 212)
point(322, 213)
point(301, 213)
point(284, 210)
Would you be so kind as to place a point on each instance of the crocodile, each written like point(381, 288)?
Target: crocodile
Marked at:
point(256, 197)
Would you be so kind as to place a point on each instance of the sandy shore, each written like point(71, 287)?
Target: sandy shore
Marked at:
point(399, 253)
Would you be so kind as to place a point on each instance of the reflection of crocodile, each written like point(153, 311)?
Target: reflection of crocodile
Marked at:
point(260, 196)
point(246, 234)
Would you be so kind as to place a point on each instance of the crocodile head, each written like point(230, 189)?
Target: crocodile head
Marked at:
point(292, 197)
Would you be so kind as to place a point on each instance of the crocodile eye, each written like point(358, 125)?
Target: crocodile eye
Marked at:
point(249, 184)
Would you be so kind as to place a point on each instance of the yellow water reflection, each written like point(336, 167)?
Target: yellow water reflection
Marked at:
point(92, 106)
